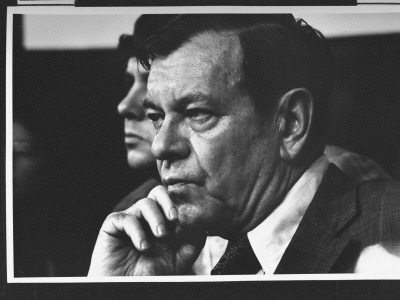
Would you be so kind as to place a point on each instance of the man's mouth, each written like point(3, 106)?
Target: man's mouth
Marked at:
point(175, 184)
point(175, 181)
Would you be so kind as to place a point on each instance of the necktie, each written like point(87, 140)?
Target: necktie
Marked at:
point(238, 258)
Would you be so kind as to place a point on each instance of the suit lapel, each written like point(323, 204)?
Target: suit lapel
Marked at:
point(317, 243)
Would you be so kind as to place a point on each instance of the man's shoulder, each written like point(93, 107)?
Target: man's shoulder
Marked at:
point(380, 197)
point(378, 218)
point(337, 185)
point(386, 191)
point(139, 193)
point(359, 209)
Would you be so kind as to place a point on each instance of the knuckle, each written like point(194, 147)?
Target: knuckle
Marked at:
point(114, 216)
point(119, 217)
point(113, 219)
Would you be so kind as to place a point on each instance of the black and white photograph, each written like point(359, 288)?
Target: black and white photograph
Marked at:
point(216, 145)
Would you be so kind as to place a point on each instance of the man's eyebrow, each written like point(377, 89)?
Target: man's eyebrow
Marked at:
point(194, 98)
point(148, 104)
point(181, 103)
point(200, 99)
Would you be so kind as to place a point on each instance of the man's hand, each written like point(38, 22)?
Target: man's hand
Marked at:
point(145, 239)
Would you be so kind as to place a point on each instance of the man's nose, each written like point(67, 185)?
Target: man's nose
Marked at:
point(171, 142)
point(130, 108)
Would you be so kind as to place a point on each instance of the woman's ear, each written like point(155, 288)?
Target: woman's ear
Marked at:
point(294, 115)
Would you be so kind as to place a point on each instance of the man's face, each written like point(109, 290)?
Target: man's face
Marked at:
point(139, 132)
point(214, 153)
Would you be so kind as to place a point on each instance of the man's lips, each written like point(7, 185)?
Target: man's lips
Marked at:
point(170, 181)
point(177, 188)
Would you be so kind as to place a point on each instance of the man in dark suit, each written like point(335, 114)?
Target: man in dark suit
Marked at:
point(239, 107)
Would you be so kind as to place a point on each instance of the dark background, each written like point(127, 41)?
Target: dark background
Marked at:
point(364, 110)
point(74, 97)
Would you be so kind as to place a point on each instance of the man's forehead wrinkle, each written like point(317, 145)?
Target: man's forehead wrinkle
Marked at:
point(203, 51)
point(226, 63)
point(218, 55)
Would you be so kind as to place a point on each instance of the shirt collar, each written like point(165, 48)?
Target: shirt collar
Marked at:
point(270, 239)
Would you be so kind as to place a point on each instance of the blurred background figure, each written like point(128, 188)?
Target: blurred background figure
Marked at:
point(28, 163)
point(139, 132)
point(35, 209)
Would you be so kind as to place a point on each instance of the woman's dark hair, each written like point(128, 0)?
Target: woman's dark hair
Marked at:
point(145, 27)
point(279, 53)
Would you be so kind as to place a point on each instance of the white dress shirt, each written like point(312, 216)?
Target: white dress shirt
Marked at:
point(270, 239)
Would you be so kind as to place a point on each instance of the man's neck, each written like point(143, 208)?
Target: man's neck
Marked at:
point(267, 194)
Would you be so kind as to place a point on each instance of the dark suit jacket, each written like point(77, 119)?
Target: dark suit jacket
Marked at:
point(343, 218)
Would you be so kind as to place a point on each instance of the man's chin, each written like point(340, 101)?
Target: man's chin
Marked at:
point(198, 219)
point(190, 217)
point(197, 210)
point(187, 193)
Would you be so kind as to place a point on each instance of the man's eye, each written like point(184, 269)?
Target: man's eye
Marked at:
point(199, 115)
point(156, 119)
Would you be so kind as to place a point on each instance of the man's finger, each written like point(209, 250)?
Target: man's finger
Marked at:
point(150, 211)
point(117, 223)
point(160, 195)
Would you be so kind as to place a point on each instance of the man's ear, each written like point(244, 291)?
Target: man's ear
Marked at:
point(294, 114)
